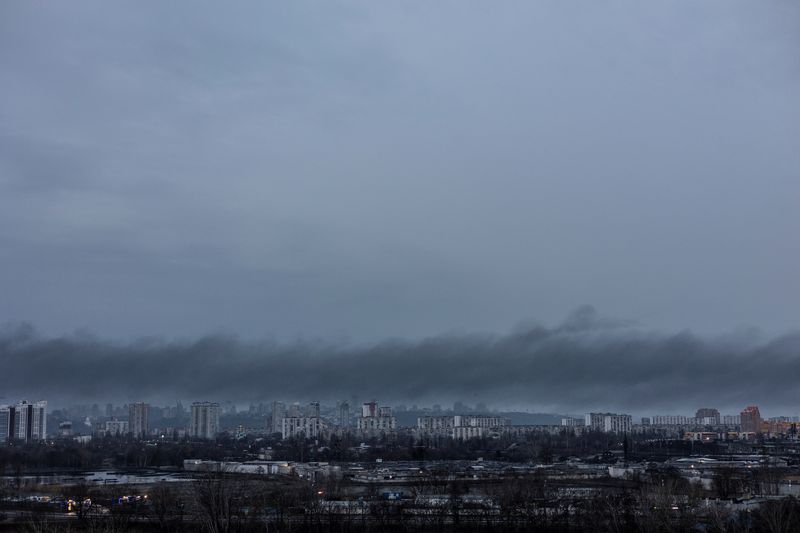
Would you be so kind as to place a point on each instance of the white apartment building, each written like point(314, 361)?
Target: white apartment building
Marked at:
point(672, 420)
point(435, 425)
point(24, 421)
point(468, 432)
point(595, 421)
point(376, 420)
point(613, 423)
point(310, 427)
point(115, 427)
point(458, 426)
point(480, 421)
point(609, 422)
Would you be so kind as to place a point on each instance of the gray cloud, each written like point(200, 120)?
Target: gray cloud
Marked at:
point(586, 362)
point(364, 170)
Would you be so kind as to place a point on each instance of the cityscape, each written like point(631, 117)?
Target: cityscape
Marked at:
point(313, 466)
point(27, 422)
point(416, 266)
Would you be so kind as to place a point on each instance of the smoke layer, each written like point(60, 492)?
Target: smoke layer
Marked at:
point(587, 362)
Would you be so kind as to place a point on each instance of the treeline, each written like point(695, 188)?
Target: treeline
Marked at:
point(125, 452)
point(539, 447)
point(113, 452)
point(660, 502)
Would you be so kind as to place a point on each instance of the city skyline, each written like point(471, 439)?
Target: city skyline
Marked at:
point(207, 420)
point(276, 409)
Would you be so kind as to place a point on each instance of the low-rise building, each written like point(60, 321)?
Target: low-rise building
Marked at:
point(458, 426)
point(609, 422)
point(113, 427)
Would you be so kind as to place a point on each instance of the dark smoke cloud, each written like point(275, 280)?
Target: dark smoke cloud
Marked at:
point(587, 362)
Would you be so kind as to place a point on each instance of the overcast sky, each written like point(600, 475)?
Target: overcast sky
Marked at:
point(371, 170)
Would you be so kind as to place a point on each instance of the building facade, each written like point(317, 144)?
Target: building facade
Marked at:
point(672, 420)
point(609, 422)
point(344, 415)
point(7, 413)
point(204, 422)
point(708, 415)
point(138, 414)
point(751, 419)
point(310, 427)
point(595, 421)
point(468, 432)
point(376, 420)
point(113, 428)
point(613, 423)
point(731, 420)
point(24, 421)
point(459, 427)
point(278, 412)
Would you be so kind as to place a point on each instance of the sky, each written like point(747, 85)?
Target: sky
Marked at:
point(362, 173)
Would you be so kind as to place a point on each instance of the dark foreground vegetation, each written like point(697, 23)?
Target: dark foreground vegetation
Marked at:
point(661, 501)
point(126, 452)
point(655, 498)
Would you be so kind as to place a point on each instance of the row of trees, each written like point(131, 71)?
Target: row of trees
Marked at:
point(122, 452)
point(227, 504)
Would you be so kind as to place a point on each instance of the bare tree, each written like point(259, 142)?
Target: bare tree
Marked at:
point(727, 482)
point(218, 501)
point(778, 516)
point(723, 520)
point(165, 507)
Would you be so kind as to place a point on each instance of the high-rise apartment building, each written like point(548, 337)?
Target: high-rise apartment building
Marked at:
point(375, 420)
point(751, 419)
point(310, 427)
point(24, 421)
point(296, 425)
point(707, 416)
point(278, 412)
point(344, 415)
point(294, 411)
point(204, 423)
point(369, 409)
point(137, 420)
point(613, 423)
point(609, 422)
point(7, 418)
point(595, 421)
